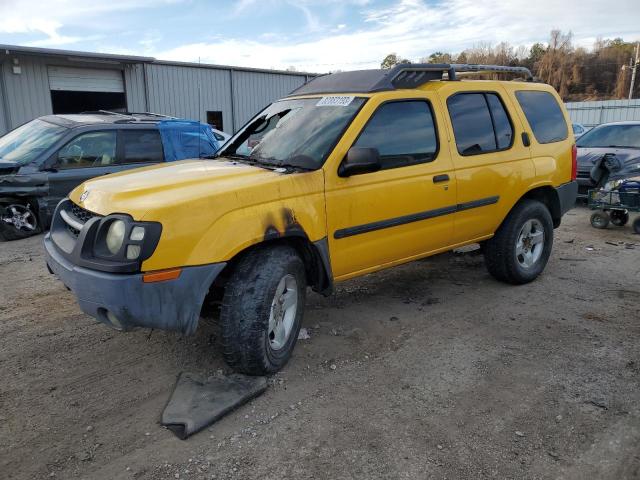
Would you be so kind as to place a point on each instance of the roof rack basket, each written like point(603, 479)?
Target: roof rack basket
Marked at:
point(407, 75)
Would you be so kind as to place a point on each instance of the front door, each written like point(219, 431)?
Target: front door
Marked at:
point(404, 210)
point(88, 155)
point(95, 153)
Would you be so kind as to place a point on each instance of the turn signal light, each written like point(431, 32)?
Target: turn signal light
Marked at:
point(161, 276)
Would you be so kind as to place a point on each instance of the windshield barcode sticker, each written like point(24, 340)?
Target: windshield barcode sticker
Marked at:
point(334, 101)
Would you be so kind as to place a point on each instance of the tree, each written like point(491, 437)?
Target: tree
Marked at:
point(392, 60)
point(438, 57)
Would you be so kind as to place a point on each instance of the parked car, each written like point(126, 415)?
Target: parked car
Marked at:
point(43, 160)
point(621, 139)
point(221, 136)
point(351, 173)
point(578, 130)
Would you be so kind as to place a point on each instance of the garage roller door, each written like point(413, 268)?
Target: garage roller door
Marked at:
point(85, 79)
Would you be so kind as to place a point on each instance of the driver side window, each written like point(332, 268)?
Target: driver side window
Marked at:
point(403, 132)
point(91, 149)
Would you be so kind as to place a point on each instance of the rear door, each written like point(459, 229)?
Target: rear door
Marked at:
point(489, 154)
point(138, 147)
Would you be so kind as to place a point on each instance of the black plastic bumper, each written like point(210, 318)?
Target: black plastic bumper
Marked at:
point(167, 305)
point(567, 195)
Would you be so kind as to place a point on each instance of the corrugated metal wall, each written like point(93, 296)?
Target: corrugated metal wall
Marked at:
point(190, 91)
point(591, 114)
point(186, 90)
point(134, 88)
point(28, 94)
point(3, 113)
point(253, 91)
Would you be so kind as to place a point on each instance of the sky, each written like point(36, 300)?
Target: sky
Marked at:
point(308, 35)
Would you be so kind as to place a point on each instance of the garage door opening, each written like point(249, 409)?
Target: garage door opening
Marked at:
point(76, 89)
point(77, 102)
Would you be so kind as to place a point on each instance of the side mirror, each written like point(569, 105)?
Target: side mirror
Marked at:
point(360, 160)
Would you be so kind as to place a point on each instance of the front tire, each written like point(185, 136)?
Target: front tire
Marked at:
point(262, 310)
point(520, 248)
point(18, 220)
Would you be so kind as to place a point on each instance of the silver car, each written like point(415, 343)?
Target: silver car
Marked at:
point(621, 139)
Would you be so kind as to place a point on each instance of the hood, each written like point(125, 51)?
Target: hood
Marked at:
point(7, 168)
point(139, 191)
point(628, 157)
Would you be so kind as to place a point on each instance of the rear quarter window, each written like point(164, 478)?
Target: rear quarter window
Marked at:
point(544, 115)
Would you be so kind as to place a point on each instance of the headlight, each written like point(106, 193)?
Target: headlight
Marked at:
point(115, 236)
point(121, 244)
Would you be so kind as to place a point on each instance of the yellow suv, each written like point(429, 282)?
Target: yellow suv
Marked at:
point(351, 173)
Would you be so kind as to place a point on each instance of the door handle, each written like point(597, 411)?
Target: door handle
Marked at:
point(441, 178)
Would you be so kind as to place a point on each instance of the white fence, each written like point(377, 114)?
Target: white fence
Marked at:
point(591, 114)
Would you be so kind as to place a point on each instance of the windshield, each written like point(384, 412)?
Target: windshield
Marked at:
point(294, 133)
point(612, 136)
point(25, 143)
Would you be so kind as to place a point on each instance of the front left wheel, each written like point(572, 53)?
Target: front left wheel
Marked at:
point(262, 310)
point(18, 220)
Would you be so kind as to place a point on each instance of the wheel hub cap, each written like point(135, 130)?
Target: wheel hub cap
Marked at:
point(530, 243)
point(21, 217)
point(283, 312)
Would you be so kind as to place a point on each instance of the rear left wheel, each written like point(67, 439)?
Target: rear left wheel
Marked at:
point(520, 249)
point(17, 220)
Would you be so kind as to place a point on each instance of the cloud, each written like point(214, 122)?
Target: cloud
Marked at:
point(414, 29)
point(320, 41)
point(49, 17)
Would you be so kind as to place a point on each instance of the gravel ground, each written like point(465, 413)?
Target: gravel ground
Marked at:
point(429, 370)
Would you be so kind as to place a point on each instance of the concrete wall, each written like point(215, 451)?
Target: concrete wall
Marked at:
point(594, 113)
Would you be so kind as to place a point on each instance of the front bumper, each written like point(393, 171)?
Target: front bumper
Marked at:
point(168, 305)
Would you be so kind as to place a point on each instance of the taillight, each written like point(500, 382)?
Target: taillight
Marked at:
point(574, 162)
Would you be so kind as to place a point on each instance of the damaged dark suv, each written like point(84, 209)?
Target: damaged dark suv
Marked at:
point(44, 159)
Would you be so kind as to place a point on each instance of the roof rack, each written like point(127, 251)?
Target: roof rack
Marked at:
point(476, 68)
point(131, 116)
point(406, 75)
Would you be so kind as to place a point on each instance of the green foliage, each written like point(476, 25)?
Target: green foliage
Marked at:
point(577, 74)
point(392, 60)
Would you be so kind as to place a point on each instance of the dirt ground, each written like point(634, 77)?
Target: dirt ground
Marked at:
point(429, 370)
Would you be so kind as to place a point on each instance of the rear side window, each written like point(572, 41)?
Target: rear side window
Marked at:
point(141, 146)
point(403, 132)
point(544, 115)
point(501, 123)
point(480, 123)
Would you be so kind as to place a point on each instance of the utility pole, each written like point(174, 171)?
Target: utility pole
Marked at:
point(633, 71)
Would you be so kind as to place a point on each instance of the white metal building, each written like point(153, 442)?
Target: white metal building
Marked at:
point(38, 81)
point(594, 113)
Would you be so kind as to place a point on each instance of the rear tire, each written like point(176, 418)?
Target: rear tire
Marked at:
point(600, 220)
point(262, 310)
point(619, 218)
point(520, 248)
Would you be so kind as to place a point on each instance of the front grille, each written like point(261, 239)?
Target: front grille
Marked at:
point(82, 215)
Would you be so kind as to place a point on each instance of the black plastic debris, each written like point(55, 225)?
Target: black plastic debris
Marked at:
point(196, 403)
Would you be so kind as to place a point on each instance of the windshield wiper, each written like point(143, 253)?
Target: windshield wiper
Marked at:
point(272, 162)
